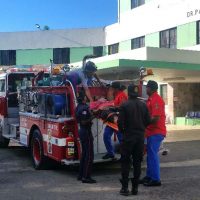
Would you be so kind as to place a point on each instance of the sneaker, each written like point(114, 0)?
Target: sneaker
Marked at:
point(165, 152)
point(152, 183)
point(107, 156)
point(144, 180)
point(88, 180)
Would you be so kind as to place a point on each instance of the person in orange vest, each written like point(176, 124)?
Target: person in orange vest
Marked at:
point(120, 97)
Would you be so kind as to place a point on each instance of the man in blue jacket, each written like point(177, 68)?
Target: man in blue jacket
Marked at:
point(84, 118)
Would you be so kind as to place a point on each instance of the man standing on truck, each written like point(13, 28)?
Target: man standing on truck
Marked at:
point(84, 76)
point(84, 118)
point(133, 119)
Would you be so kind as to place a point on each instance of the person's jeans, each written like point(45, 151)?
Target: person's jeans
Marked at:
point(108, 132)
point(153, 160)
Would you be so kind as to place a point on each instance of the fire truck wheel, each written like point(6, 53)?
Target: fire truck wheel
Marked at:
point(37, 151)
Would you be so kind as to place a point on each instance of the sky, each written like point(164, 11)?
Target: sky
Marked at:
point(22, 15)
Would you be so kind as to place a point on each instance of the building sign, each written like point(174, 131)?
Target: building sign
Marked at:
point(193, 12)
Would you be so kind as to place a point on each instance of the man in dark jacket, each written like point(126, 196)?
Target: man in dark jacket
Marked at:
point(133, 119)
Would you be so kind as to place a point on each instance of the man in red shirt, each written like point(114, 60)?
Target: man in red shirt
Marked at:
point(155, 133)
point(120, 97)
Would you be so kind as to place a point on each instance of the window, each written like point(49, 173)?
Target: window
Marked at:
point(2, 85)
point(163, 93)
point(138, 42)
point(98, 51)
point(7, 57)
point(61, 55)
point(198, 32)
point(114, 48)
point(168, 38)
point(136, 3)
point(15, 81)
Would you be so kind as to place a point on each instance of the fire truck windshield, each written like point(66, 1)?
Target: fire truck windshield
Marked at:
point(17, 80)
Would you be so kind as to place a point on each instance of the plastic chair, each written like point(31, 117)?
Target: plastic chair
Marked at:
point(190, 115)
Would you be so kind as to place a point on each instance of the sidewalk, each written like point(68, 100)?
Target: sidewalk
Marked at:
point(171, 127)
point(177, 133)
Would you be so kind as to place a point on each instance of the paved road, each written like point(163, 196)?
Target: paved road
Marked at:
point(180, 171)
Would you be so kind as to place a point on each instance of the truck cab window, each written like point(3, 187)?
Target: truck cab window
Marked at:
point(2, 85)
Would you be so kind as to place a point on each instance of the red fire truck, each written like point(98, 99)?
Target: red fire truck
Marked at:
point(43, 119)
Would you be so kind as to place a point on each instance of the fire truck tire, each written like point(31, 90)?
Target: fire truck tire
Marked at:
point(37, 151)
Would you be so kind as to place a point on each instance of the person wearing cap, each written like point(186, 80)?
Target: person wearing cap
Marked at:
point(133, 119)
point(84, 118)
point(84, 76)
point(155, 134)
point(120, 97)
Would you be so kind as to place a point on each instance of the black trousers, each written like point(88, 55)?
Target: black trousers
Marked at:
point(87, 155)
point(132, 151)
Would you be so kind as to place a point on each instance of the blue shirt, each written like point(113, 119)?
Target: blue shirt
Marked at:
point(77, 77)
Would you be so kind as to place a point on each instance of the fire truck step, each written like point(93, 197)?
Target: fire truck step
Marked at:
point(14, 130)
point(97, 159)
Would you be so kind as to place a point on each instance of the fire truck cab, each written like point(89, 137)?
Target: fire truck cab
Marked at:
point(9, 107)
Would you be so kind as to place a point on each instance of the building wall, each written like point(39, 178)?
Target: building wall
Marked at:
point(33, 56)
point(146, 1)
point(151, 17)
point(77, 54)
point(152, 40)
point(186, 35)
point(36, 47)
point(125, 46)
point(124, 5)
point(52, 39)
point(43, 56)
